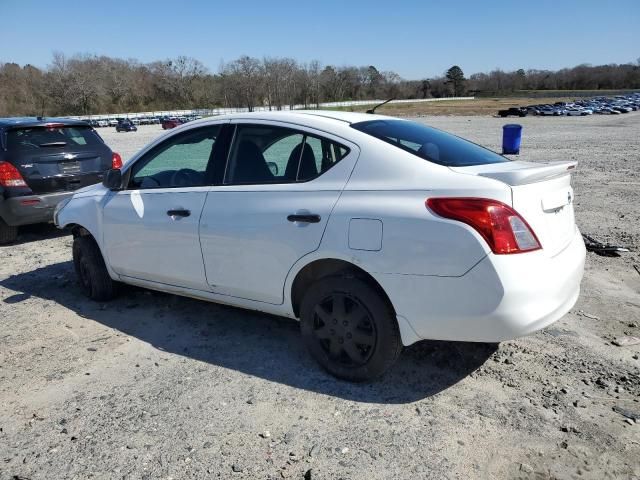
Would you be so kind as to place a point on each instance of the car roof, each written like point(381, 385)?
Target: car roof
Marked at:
point(37, 121)
point(311, 118)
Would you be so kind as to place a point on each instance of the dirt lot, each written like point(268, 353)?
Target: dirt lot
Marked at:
point(156, 386)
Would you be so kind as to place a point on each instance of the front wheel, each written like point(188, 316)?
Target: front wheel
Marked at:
point(91, 270)
point(349, 328)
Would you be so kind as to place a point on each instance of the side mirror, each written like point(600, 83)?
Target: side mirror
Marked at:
point(113, 179)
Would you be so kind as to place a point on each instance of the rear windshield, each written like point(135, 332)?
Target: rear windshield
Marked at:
point(34, 138)
point(429, 143)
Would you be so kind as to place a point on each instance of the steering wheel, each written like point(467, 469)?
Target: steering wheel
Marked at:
point(149, 182)
point(185, 177)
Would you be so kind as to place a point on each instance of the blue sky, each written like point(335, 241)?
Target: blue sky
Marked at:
point(416, 39)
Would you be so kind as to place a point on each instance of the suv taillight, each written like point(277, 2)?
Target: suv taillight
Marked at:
point(116, 160)
point(10, 176)
point(501, 226)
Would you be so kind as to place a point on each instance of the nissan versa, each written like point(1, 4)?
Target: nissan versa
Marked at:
point(375, 232)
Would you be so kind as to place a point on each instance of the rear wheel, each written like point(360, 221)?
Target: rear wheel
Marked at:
point(349, 328)
point(8, 234)
point(91, 270)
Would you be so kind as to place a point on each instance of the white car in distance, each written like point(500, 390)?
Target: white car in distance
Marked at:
point(374, 232)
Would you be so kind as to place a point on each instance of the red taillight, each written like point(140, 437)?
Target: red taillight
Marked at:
point(116, 160)
point(10, 176)
point(501, 226)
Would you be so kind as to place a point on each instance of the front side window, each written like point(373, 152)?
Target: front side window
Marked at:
point(429, 143)
point(267, 154)
point(180, 161)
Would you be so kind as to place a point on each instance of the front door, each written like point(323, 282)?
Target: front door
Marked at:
point(280, 186)
point(151, 227)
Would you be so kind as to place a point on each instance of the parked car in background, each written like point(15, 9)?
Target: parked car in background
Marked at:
point(284, 212)
point(168, 123)
point(43, 161)
point(577, 111)
point(103, 123)
point(513, 111)
point(548, 111)
point(126, 126)
point(584, 106)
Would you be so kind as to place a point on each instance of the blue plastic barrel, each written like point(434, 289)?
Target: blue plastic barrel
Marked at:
point(511, 137)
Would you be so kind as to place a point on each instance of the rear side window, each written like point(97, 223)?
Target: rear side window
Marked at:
point(263, 154)
point(35, 138)
point(429, 143)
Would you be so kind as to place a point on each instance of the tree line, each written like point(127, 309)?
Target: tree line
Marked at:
point(89, 84)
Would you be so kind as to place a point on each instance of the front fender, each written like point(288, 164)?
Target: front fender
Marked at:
point(85, 210)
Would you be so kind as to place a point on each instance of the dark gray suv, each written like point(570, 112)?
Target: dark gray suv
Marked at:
point(43, 161)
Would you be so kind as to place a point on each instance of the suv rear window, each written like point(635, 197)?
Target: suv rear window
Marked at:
point(33, 138)
point(429, 143)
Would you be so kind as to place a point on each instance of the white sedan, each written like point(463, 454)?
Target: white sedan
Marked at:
point(578, 112)
point(374, 232)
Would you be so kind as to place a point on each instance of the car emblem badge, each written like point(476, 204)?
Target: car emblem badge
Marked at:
point(69, 156)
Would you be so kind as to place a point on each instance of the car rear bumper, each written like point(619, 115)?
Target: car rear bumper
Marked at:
point(25, 210)
point(501, 298)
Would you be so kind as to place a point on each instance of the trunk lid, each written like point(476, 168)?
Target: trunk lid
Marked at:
point(541, 193)
point(60, 158)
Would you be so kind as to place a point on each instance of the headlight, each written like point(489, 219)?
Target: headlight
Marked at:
point(58, 208)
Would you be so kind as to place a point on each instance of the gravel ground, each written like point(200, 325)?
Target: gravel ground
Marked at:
point(154, 386)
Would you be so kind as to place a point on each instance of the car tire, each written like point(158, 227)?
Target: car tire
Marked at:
point(349, 328)
point(8, 234)
point(91, 270)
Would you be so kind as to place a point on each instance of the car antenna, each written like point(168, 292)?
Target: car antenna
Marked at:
point(373, 110)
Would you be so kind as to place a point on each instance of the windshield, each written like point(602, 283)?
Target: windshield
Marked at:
point(429, 143)
point(50, 137)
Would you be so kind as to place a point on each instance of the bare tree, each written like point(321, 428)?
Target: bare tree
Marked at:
point(83, 84)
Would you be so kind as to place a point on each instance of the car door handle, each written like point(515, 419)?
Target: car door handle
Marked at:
point(179, 213)
point(305, 218)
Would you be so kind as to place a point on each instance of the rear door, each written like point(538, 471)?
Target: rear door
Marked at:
point(58, 157)
point(280, 186)
point(151, 227)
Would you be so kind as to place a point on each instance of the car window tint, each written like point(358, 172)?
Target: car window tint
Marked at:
point(323, 153)
point(181, 161)
point(35, 138)
point(269, 154)
point(429, 143)
point(76, 136)
point(278, 153)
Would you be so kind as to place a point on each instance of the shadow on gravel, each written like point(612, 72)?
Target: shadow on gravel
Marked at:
point(255, 344)
point(37, 232)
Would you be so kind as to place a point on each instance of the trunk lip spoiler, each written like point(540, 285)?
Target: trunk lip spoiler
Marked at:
point(520, 173)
